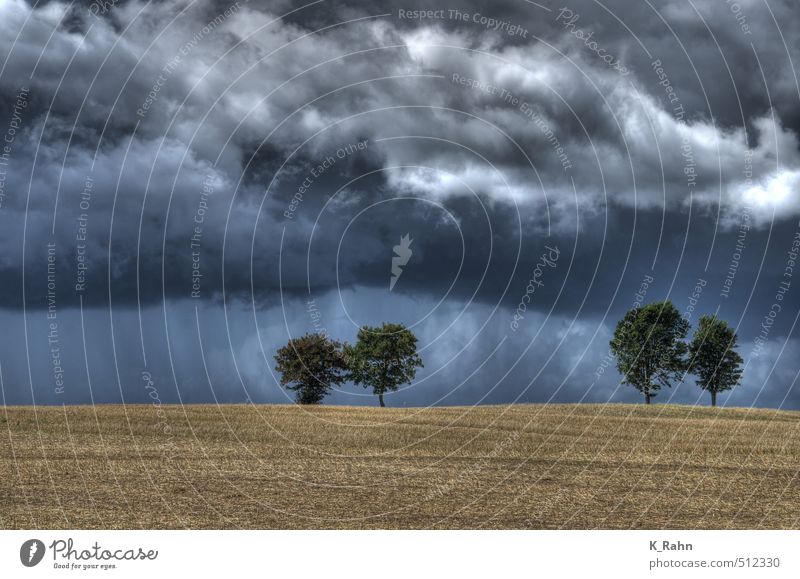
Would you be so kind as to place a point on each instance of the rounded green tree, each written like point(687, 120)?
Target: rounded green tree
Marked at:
point(310, 365)
point(649, 348)
point(384, 358)
point(713, 360)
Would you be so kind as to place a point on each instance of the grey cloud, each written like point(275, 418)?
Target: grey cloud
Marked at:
point(259, 122)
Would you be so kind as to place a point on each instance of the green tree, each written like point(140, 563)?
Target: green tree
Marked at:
point(713, 359)
point(649, 348)
point(384, 358)
point(310, 365)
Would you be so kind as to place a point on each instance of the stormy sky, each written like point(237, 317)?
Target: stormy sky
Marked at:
point(186, 185)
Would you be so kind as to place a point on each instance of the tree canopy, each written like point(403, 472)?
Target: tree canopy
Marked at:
point(649, 348)
point(383, 358)
point(310, 366)
point(712, 356)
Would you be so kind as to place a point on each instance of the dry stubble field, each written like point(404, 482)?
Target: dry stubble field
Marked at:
point(526, 466)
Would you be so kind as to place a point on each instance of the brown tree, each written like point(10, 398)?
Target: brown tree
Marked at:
point(310, 366)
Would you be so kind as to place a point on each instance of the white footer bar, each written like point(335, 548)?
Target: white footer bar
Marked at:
point(401, 554)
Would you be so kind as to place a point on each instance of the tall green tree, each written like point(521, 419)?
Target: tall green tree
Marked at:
point(383, 358)
point(649, 348)
point(712, 357)
point(310, 366)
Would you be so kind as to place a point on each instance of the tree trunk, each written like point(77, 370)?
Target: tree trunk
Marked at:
point(713, 398)
point(380, 399)
point(647, 398)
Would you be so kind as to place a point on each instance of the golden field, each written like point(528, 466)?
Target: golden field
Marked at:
point(522, 466)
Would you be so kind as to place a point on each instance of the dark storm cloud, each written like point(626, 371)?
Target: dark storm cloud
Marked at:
point(172, 148)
